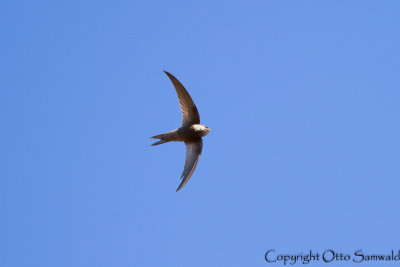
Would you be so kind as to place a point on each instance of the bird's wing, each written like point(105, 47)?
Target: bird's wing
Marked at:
point(190, 114)
point(193, 152)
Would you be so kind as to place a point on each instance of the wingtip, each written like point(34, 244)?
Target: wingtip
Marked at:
point(182, 184)
point(169, 74)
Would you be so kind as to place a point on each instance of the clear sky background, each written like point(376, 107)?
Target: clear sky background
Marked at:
point(303, 99)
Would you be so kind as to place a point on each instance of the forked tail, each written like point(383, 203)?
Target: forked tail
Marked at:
point(164, 138)
point(159, 142)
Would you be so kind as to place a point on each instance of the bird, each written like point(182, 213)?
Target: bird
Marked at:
point(191, 131)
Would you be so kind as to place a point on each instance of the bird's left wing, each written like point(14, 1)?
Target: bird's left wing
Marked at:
point(193, 152)
point(190, 115)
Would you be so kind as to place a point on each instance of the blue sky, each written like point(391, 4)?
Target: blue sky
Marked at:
point(302, 98)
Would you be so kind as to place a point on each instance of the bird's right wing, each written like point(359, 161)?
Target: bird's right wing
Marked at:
point(193, 152)
point(190, 115)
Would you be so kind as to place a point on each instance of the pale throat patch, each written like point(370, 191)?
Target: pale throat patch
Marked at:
point(198, 127)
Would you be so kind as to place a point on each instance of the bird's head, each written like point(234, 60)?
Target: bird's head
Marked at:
point(205, 130)
point(201, 130)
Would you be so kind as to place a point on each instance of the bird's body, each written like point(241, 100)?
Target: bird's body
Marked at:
point(191, 131)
